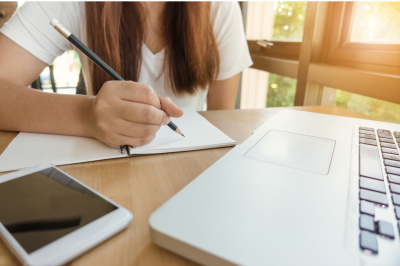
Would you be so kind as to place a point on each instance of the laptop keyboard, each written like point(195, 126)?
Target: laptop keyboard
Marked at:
point(373, 191)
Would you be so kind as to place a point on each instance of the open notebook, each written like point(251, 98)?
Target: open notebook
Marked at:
point(29, 149)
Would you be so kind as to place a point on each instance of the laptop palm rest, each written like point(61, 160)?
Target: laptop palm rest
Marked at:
point(293, 150)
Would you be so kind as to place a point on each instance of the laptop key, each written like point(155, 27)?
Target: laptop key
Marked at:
point(383, 133)
point(392, 163)
point(366, 132)
point(391, 156)
point(392, 170)
point(367, 136)
point(396, 199)
point(385, 229)
point(370, 164)
point(386, 140)
point(396, 134)
point(368, 241)
point(391, 151)
point(395, 188)
point(375, 197)
point(368, 129)
point(394, 178)
point(372, 184)
point(397, 211)
point(370, 142)
point(367, 208)
point(367, 223)
point(387, 145)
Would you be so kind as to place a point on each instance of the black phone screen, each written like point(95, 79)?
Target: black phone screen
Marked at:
point(42, 207)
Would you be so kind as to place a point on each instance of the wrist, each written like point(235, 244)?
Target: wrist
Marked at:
point(88, 117)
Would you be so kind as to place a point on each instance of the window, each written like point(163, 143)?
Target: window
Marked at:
point(368, 38)
point(353, 47)
point(66, 73)
point(282, 22)
point(362, 36)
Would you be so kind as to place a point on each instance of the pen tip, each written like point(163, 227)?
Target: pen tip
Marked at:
point(179, 132)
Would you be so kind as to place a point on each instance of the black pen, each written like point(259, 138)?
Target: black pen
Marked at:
point(92, 56)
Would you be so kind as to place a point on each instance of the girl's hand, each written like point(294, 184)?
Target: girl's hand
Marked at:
point(128, 113)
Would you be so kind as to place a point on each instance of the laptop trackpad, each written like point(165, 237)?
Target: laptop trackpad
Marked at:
point(293, 150)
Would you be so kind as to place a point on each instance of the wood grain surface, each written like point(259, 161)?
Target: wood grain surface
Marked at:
point(142, 184)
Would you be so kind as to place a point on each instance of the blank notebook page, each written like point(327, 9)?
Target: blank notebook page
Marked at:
point(199, 134)
point(30, 149)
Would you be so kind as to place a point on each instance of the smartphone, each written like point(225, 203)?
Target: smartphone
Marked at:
point(47, 217)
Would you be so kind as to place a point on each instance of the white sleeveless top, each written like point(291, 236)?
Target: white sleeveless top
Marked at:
point(30, 28)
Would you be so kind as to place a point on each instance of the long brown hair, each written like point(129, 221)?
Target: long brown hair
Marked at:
point(115, 32)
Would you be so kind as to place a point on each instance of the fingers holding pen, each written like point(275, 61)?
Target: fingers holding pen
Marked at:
point(136, 130)
point(142, 113)
point(140, 103)
point(169, 107)
point(137, 92)
point(128, 113)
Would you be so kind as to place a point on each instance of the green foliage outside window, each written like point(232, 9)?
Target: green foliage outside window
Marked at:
point(288, 20)
point(382, 110)
point(281, 91)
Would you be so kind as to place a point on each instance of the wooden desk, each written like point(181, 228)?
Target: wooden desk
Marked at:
point(142, 184)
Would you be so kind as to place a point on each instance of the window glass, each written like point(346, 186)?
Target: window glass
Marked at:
point(278, 20)
point(66, 73)
point(66, 69)
point(281, 91)
point(376, 21)
point(262, 89)
point(288, 20)
point(382, 110)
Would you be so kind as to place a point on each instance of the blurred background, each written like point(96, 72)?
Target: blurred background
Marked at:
point(372, 22)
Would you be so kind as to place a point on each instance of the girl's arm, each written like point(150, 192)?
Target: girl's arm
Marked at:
point(123, 113)
point(25, 109)
point(222, 94)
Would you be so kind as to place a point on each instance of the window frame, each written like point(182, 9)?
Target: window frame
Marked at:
point(341, 51)
point(280, 49)
point(326, 58)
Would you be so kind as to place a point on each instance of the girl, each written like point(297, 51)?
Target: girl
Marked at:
point(176, 54)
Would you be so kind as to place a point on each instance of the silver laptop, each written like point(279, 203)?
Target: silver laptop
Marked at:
point(304, 189)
